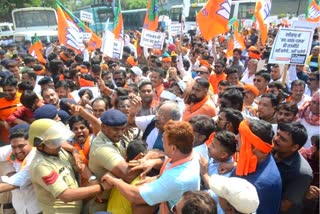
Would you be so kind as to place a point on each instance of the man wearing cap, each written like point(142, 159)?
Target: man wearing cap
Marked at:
point(200, 102)
point(107, 153)
point(19, 154)
point(257, 165)
point(52, 173)
point(236, 195)
point(11, 51)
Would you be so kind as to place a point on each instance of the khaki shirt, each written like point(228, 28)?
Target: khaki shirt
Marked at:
point(51, 176)
point(103, 157)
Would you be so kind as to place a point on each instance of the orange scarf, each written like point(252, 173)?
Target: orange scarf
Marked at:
point(195, 106)
point(84, 153)
point(210, 139)
point(247, 160)
point(163, 206)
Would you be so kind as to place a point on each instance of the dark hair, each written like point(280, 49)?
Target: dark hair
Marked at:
point(297, 82)
point(9, 81)
point(316, 74)
point(28, 59)
point(62, 84)
point(203, 124)
point(136, 147)
point(264, 74)
point(83, 91)
point(28, 98)
point(79, 58)
point(30, 73)
point(46, 89)
point(121, 72)
point(261, 129)
point(161, 71)
point(120, 98)
point(25, 86)
point(224, 83)
point(275, 99)
point(221, 62)
point(134, 87)
point(203, 82)
point(196, 202)
point(297, 131)
point(233, 116)
point(96, 68)
point(276, 84)
point(227, 140)
point(289, 106)
point(237, 50)
point(121, 91)
point(232, 71)
point(235, 96)
point(75, 119)
point(19, 134)
point(144, 82)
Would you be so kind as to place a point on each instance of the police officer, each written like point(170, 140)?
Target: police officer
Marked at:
point(52, 173)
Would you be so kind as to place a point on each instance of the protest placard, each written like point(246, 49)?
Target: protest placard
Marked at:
point(117, 49)
point(85, 36)
point(107, 43)
point(305, 24)
point(151, 39)
point(290, 44)
point(86, 16)
point(175, 28)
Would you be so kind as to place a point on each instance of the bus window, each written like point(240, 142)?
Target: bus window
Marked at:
point(34, 18)
point(246, 10)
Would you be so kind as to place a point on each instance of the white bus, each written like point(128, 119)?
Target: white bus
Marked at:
point(40, 20)
point(6, 29)
point(240, 9)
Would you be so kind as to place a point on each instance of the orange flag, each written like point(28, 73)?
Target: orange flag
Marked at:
point(151, 18)
point(313, 12)
point(70, 28)
point(236, 40)
point(36, 49)
point(118, 23)
point(261, 12)
point(213, 18)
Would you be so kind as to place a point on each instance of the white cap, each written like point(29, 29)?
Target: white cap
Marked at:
point(136, 70)
point(241, 194)
point(168, 95)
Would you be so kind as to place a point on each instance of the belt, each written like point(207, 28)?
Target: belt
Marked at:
point(6, 206)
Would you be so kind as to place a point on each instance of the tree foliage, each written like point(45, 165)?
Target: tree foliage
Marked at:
point(133, 4)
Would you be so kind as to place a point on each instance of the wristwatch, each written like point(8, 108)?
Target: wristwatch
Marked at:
point(92, 178)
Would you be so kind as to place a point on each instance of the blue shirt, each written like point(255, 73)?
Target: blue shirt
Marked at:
point(267, 181)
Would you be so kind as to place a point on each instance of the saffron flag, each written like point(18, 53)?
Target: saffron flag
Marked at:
point(313, 11)
point(236, 40)
point(36, 49)
point(118, 23)
point(71, 31)
point(151, 18)
point(261, 12)
point(213, 18)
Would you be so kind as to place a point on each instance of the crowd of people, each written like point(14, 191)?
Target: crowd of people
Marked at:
point(184, 129)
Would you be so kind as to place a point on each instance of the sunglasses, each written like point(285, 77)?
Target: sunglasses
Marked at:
point(202, 72)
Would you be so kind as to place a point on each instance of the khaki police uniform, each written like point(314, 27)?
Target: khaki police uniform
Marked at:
point(103, 157)
point(6, 197)
point(51, 176)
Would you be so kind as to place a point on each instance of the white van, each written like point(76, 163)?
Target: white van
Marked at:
point(6, 29)
point(40, 20)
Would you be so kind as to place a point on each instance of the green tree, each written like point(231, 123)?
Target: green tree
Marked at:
point(133, 4)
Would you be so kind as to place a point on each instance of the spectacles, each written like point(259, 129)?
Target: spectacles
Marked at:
point(218, 66)
point(202, 72)
point(173, 209)
point(312, 79)
point(256, 80)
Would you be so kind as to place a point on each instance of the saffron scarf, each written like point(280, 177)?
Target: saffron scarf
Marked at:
point(247, 160)
point(195, 106)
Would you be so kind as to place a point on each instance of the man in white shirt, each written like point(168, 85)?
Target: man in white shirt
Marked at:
point(20, 154)
point(249, 73)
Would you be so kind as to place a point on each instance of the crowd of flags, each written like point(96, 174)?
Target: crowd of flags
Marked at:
point(213, 19)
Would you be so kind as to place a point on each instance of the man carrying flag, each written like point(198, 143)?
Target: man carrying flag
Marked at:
point(36, 49)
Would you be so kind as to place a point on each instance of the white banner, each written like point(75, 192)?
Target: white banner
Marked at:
point(86, 16)
point(175, 28)
point(85, 36)
point(108, 41)
point(305, 24)
point(151, 39)
point(117, 49)
point(291, 46)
